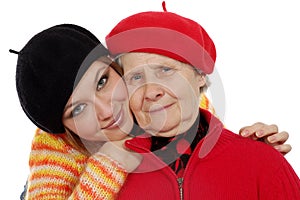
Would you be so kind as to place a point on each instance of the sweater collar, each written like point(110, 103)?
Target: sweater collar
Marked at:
point(143, 143)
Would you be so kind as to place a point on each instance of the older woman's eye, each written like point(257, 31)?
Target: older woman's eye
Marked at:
point(101, 83)
point(136, 77)
point(164, 71)
point(78, 109)
point(133, 79)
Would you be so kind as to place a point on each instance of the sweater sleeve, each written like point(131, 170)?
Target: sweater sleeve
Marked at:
point(58, 171)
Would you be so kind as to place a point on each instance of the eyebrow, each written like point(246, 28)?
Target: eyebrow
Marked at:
point(164, 64)
point(106, 67)
point(97, 75)
point(70, 105)
point(133, 72)
point(66, 109)
point(95, 81)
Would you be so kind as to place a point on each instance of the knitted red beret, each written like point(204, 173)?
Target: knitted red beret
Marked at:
point(164, 33)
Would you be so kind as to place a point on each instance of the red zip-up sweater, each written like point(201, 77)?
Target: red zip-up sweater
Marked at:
point(224, 165)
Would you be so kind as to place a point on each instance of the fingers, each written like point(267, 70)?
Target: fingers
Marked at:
point(117, 151)
point(277, 141)
point(268, 134)
point(258, 130)
point(283, 148)
point(279, 138)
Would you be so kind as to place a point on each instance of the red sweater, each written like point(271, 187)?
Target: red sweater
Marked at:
point(224, 165)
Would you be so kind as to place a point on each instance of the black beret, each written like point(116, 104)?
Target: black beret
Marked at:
point(48, 69)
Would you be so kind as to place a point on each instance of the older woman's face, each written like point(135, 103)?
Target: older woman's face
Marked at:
point(164, 93)
point(98, 108)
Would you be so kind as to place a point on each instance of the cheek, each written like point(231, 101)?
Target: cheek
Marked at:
point(84, 126)
point(187, 93)
point(118, 90)
point(136, 100)
point(185, 88)
point(87, 129)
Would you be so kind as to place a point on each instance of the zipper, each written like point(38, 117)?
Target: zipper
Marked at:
point(180, 182)
point(146, 150)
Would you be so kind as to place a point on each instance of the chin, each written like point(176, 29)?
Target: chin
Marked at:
point(165, 132)
point(116, 136)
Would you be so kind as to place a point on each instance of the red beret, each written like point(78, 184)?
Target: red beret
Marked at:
point(164, 33)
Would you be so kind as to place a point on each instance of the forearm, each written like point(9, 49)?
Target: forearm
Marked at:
point(102, 178)
point(58, 171)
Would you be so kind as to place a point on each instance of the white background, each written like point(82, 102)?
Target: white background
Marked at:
point(258, 60)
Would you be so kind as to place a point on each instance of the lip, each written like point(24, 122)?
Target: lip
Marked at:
point(116, 121)
point(160, 108)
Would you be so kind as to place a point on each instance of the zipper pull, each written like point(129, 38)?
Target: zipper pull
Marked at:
point(180, 182)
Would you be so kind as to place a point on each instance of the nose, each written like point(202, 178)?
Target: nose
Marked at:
point(153, 92)
point(103, 108)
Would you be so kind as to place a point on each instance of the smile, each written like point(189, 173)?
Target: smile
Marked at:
point(116, 121)
point(155, 109)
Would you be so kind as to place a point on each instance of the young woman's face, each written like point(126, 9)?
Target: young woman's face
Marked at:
point(164, 93)
point(98, 108)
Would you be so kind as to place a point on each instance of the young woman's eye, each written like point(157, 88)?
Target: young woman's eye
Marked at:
point(78, 109)
point(101, 83)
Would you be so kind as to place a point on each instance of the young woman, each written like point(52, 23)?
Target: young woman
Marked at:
point(66, 84)
point(73, 92)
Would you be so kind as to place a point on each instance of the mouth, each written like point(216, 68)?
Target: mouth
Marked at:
point(159, 108)
point(116, 121)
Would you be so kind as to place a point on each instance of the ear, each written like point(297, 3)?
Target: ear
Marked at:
point(201, 79)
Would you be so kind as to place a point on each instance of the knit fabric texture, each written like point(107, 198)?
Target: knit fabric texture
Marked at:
point(224, 165)
point(59, 171)
point(164, 33)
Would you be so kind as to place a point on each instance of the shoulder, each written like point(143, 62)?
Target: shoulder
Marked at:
point(262, 163)
point(44, 140)
point(51, 148)
point(246, 159)
point(251, 151)
point(248, 145)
